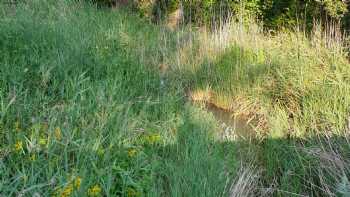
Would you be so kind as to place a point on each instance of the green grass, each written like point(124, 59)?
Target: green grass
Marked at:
point(294, 88)
point(83, 110)
point(78, 102)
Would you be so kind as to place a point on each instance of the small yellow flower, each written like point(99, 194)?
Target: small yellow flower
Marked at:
point(42, 141)
point(132, 152)
point(77, 182)
point(66, 191)
point(58, 133)
point(94, 191)
point(18, 146)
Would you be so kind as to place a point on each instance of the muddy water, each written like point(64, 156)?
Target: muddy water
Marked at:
point(232, 127)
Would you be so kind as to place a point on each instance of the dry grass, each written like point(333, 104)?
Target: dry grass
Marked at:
point(247, 184)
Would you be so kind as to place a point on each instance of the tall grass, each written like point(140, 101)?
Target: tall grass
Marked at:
point(83, 111)
point(96, 102)
point(292, 87)
point(287, 73)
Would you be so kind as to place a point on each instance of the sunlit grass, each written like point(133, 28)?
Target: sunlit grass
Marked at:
point(97, 102)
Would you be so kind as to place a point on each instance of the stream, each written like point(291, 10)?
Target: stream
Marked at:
point(234, 127)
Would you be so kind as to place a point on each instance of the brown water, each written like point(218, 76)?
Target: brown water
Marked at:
point(234, 127)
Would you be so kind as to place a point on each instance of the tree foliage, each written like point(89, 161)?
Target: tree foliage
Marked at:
point(274, 13)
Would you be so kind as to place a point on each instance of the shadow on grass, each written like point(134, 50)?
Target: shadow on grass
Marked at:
point(197, 164)
point(315, 166)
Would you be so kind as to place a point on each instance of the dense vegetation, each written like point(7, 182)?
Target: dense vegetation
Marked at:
point(99, 102)
point(274, 13)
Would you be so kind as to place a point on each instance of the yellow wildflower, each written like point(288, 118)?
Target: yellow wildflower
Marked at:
point(77, 182)
point(132, 152)
point(58, 133)
point(67, 191)
point(94, 191)
point(18, 146)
